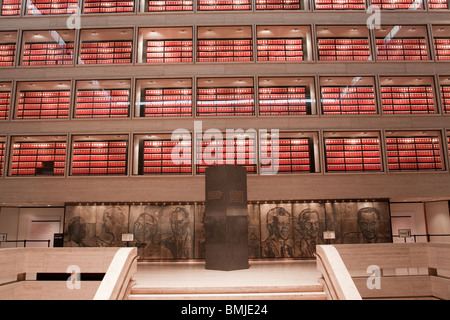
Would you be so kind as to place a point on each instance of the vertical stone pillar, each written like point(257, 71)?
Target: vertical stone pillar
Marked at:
point(226, 222)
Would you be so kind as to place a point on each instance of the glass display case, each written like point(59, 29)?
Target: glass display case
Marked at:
point(166, 5)
point(99, 155)
point(8, 47)
point(5, 99)
point(233, 148)
point(167, 97)
point(444, 83)
point(441, 38)
point(414, 151)
point(50, 7)
point(408, 95)
point(108, 6)
point(352, 152)
point(438, 4)
point(448, 141)
point(281, 5)
point(288, 152)
point(402, 43)
point(343, 43)
point(286, 96)
point(224, 5)
point(224, 44)
point(43, 100)
point(225, 97)
point(347, 95)
point(162, 154)
point(103, 98)
point(339, 4)
point(106, 46)
point(398, 4)
point(283, 43)
point(2, 154)
point(165, 45)
point(48, 48)
point(38, 155)
point(10, 7)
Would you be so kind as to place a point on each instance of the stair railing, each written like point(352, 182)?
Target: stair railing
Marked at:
point(118, 277)
point(336, 279)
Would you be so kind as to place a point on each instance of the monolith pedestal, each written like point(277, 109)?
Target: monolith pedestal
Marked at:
point(226, 218)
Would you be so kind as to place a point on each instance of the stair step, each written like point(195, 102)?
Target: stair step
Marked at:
point(227, 290)
point(233, 296)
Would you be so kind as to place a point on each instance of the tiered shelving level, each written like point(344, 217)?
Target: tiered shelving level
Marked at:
point(38, 158)
point(353, 154)
point(99, 157)
point(236, 151)
point(158, 157)
point(295, 155)
point(48, 104)
point(414, 153)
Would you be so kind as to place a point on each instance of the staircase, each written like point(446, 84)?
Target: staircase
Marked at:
point(303, 292)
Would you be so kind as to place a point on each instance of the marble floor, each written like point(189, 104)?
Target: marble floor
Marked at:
point(194, 274)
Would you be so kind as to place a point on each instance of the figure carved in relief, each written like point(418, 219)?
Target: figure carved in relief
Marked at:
point(180, 241)
point(308, 222)
point(112, 228)
point(145, 230)
point(369, 223)
point(279, 243)
point(76, 233)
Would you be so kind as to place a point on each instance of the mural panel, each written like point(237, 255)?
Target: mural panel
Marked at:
point(199, 239)
point(309, 224)
point(254, 231)
point(163, 231)
point(276, 230)
point(95, 226)
point(277, 237)
point(368, 222)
